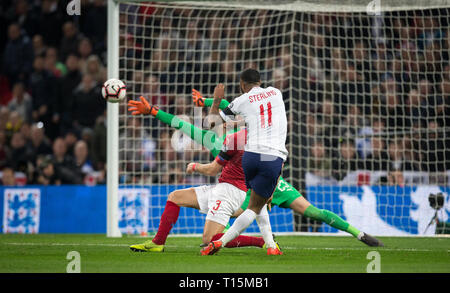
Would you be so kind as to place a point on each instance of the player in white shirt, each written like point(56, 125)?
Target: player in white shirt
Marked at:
point(265, 151)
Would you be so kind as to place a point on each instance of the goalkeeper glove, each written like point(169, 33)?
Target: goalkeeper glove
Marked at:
point(197, 98)
point(141, 107)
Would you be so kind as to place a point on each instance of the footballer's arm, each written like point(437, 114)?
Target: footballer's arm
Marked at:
point(210, 169)
point(214, 119)
point(219, 94)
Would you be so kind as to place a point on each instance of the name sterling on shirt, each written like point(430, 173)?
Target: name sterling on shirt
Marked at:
point(263, 95)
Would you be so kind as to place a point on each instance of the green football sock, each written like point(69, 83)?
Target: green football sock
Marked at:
point(331, 219)
point(203, 137)
point(226, 228)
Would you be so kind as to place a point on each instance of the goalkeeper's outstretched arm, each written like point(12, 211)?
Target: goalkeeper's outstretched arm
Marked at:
point(206, 138)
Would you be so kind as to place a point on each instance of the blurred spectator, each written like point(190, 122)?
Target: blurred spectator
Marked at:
point(68, 83)
point(82, 160)
point(39, 46)
point(44, 93)
point(87, 135)
point(70, 139)
point(8, 177)
point(378, 158)
point(59, 152)
point(396, 155)
point(138, 147)
point(98, 149)
point(152, 91)
point(346, 160)
point(94, 67)
point(5, 90)
point(88, 103)
point(13, 124)
point(195, 45)
point(21, 102)
point(165, 152)
point(18, 157)
point(22, 14)
point(360, 56)
point(63, 163)
point(433, 149)
point(39, 144)
point(415, 107)
point(396, 178)
point(281, 82)
point(51, 174)
point(4, 117)
point(4, 150)
point(319, 162)
point(70, 40)
point(173, 175)
point(84, 51)
point(18, 55)
point(50, 22)
point(52, 65)
point(94, 24)
point(25, 129)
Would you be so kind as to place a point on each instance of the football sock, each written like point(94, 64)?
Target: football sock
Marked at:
point(203, 137)
point(331, 219)
point(239, 225)
point(168, 219)
point(241, 241)
point(226, 228)
point(264, 226)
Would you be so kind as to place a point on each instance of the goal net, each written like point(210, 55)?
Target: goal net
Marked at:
point(367, 93)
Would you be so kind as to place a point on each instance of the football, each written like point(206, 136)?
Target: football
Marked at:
point(114, 90)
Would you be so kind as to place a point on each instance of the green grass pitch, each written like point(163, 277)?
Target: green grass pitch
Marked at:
point(45, 253)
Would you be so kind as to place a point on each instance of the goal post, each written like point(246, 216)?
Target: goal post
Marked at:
point(112, 144)
point(367, 94)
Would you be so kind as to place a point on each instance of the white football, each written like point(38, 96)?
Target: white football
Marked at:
point(114, 90)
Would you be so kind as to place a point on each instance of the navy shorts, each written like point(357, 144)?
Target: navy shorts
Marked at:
point(261, 172)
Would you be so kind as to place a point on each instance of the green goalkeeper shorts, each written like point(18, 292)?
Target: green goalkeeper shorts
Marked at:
point(283, 195)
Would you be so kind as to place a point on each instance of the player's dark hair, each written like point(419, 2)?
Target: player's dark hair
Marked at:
point(250, 76)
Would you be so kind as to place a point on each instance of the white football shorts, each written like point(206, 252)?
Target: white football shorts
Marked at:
point(219, 201)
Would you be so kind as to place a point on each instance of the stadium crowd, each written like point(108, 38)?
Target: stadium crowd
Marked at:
point(362, 92)
point(52, 116)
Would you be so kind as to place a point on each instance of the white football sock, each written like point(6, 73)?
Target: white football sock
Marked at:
point(264, 226)
point(241, 223)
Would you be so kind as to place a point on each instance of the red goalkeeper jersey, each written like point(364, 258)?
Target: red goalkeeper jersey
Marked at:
point(230, 157)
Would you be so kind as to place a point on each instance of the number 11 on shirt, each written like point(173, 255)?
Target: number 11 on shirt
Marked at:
point(269, 114)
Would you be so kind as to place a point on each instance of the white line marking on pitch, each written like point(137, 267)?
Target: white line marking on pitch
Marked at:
point(285, 247)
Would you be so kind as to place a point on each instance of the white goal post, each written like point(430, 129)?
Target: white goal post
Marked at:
point(112, 183)
point(367, 91)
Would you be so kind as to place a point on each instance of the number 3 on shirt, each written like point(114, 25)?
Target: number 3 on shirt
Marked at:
point(218, 202)
point(269, 114)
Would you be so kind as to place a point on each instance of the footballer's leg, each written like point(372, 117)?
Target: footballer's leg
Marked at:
point(225, 200)
point(262, 177)
point(210, 230)
point(286, 196)
point(257, 202)
point(175, 200)
point(302, 206)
